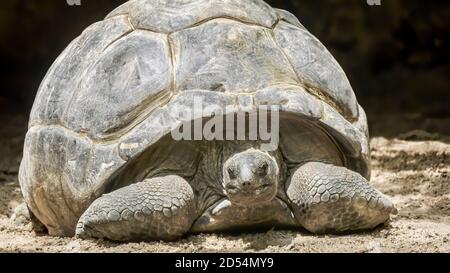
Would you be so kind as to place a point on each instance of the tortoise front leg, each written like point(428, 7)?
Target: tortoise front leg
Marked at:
point(327, 198)
point(160, 208)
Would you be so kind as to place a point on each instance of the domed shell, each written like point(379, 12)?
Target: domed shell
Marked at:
point(110, 95)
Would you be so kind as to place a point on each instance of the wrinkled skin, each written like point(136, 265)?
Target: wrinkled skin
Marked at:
point(255, 193)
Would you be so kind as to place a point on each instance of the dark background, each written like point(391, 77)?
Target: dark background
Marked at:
point(396, 55)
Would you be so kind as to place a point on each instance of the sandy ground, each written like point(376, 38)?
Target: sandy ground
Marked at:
point(416, 174)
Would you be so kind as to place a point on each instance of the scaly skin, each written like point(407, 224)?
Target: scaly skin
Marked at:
point(326, 198)
point(323, 198)
point(157, 208)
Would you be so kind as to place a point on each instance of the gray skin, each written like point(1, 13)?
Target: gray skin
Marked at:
point(236, 186)
point(99, 160)
point(245, 188)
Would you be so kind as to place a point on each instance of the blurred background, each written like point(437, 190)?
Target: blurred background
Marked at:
point(396, 56)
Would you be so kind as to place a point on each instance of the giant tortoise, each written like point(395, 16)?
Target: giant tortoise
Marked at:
point(100, 157)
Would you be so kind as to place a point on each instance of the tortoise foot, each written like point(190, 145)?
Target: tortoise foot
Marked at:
point(156, 209)
point(331, 199)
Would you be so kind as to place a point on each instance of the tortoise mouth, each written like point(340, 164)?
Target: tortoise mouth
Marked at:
point(250, 197)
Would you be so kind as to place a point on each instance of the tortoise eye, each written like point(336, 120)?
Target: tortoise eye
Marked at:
point(231, 173)
point(262, 169)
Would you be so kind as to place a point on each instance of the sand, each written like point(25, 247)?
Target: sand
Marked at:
point(416, 174)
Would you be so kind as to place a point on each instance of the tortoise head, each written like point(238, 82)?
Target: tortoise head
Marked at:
point(251, 177)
